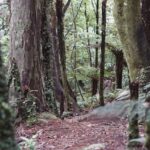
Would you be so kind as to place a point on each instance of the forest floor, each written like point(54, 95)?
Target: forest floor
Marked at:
point(74, 135)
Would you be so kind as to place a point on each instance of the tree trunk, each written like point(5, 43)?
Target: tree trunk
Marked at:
point(7, 138)
point(48, 56)
point(56, 71)
point(102, 64)
point(25, 35)
point(119, 68)
point(146, 71)
point(133, 117)
point(136, 48)
point(120, 63)
point(69, 95)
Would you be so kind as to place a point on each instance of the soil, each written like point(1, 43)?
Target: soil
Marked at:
point(74, 135)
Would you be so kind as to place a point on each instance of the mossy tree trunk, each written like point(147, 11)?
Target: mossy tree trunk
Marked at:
point(25, 45)
point(7, 138)
point(136, 48)
point(133, 117)
point(146, 71)
point(48, 56)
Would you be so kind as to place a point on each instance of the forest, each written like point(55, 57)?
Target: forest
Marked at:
point(74, 75)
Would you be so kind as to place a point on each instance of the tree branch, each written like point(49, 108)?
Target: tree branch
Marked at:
point(66, 7)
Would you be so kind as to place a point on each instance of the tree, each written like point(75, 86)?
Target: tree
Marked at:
point(119, 64)
point(25, 54)
point(7, 139)
point(136, 50)
point(102, 56)
point(48, 55)
point(146, 71)
point(69, 94)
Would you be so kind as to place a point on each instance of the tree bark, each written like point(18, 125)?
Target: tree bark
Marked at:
point(136, 48)
point(69, 95)
point(133, 117)
point(102, 64)
point(25, 36)
point(48, 56)
point(146, 72)
point(119, 69)
point(58, 88)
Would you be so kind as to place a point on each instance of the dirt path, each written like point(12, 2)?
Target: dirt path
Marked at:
point(63, 135)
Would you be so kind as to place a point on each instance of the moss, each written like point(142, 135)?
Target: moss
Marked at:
point(133, 120)
point(48, 57)
point(133, 128)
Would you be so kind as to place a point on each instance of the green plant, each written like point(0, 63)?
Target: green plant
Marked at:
point(28, 143)
point(27, 108)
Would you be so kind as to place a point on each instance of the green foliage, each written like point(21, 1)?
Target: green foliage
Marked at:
point(7, 141)
point(78, 58)
point(6, 130)
point(4, 43)
point(27, 108)
point(86, 71)
point(28, 143)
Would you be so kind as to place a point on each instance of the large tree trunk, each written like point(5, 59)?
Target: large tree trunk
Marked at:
point(48, 56)
point(25, 36)
point(7, 140)
point(146, 71)
point(129, 25)
point(58, 89)
point(136, 49)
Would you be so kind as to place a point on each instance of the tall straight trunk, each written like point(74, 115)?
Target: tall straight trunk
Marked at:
point(7, 138)
point(102, 64)
point(48, 57)
point(58, 89)
point(69, 95)
point(95, 80)
point(25, 36)
point(136, 49)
